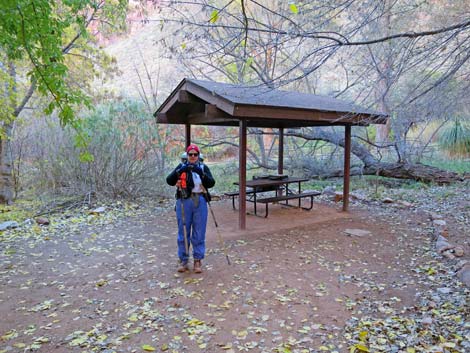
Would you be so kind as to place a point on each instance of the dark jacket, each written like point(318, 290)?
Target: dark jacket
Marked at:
point(207, 179)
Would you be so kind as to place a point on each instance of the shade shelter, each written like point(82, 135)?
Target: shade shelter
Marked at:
point(196, 102)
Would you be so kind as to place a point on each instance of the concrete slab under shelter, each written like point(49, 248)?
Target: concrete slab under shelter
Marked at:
point(280, 218)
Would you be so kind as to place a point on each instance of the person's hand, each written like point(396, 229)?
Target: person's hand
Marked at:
point(197, 169)
point(183, 168)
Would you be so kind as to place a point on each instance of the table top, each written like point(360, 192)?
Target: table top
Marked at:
point(271, 182)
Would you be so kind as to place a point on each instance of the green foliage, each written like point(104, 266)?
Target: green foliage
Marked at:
point(115, 152)
point(7, 98)
point(232, 71)
point(371, 132)
point(460, 166)
point(455, 138)
point(42, 32)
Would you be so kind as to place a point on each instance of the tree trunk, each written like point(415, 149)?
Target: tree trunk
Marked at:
point(6, 163)
point(419, 172)
point(384, 68)
point(6, 176)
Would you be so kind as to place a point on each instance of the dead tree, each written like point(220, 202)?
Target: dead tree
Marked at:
point(373, 166)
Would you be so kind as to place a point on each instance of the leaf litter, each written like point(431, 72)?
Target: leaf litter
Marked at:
point(106, 283)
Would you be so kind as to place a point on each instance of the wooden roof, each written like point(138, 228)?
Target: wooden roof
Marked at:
point(199, 102)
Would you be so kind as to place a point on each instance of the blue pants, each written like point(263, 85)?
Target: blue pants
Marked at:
point(196, 221)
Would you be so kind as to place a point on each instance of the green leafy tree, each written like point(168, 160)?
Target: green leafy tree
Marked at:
point(41, 43)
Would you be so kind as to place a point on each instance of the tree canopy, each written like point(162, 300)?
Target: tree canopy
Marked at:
point(42, 32)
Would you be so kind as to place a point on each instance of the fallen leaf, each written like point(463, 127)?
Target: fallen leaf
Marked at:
point(148, 348)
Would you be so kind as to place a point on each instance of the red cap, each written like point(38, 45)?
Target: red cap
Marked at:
point(192, 147)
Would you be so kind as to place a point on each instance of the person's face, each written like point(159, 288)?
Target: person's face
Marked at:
point(193, 156)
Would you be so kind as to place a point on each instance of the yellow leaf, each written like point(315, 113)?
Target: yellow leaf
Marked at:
point(9, 335)
point(148, 348)
point(164, 347)
point(78, 341)
point(293, 8)
point(226, 305)
point(431, 271)
point(101, 283)
point(214, 16)
point(410, 350)
point(363, 335)
point(361, 347)
point(242, 334)
point(195, 322)
point(101, 337)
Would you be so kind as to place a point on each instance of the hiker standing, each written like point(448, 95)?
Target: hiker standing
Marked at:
point(192, 179)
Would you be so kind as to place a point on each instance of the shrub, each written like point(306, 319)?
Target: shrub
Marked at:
point(128, 154)
point(455, 139)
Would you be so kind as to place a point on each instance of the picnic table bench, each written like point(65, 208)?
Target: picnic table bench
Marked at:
point(294, 196)
point(252, 191)
point(280, 186)
point(234, 194)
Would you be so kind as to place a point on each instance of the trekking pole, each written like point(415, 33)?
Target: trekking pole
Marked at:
point(183, 218)
point(219, 236)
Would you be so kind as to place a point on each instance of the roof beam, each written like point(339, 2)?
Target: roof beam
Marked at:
point(223, 104)
point(162, 118)
point(180, 97)
point(313, 117)
point(213, 111)
point(186, 97)
point(211, 115)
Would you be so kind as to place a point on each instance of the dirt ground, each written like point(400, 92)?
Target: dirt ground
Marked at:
point(297, 279)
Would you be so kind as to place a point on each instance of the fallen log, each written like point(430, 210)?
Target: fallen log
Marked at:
point(414, 171)
point(417, 172)
point(372, 166)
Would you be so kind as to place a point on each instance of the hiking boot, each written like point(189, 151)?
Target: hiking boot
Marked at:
point(183, 267)
point(197, 266)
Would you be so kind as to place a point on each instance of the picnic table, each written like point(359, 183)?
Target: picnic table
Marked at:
point(280, 185)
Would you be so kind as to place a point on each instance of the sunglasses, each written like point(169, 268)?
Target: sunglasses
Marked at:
point(193, 154)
